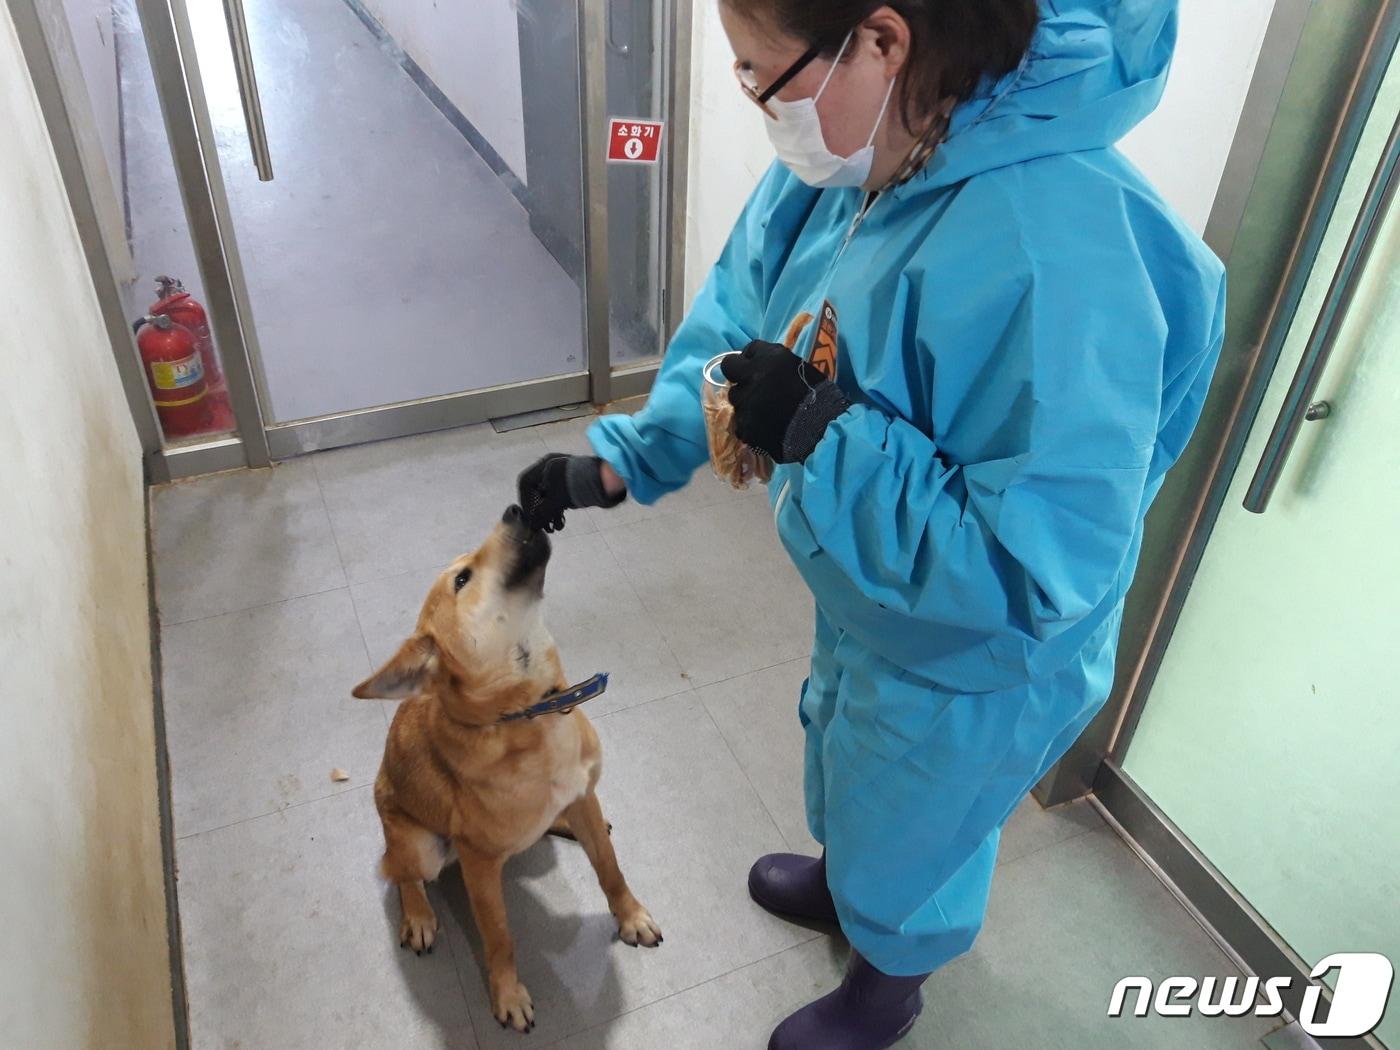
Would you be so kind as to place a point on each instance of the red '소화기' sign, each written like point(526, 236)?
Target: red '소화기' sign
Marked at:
point(634, 141)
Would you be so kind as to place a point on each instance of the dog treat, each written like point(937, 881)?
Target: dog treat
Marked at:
point(731, 460)
point(339, 775)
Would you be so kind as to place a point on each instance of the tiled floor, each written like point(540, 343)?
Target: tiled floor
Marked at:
point(279, 589)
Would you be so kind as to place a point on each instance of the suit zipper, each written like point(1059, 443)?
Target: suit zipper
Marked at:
point(861, 213)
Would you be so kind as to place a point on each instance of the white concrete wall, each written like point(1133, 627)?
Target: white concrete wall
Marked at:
point(729, 150)
point(84, 963)
point(1182, 147)
point(471, 51)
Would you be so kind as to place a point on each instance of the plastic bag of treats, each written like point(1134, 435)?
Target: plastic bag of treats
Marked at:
point(731, 460)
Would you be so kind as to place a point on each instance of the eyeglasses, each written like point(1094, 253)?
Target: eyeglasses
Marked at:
point(749, 82)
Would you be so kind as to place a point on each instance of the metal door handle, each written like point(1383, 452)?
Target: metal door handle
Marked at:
point(1318, 410)
point(1299, 406)
point(248, 87)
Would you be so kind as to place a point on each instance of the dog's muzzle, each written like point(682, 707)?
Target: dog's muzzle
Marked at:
point(532, 550)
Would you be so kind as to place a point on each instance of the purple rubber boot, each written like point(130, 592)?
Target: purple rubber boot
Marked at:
point(792, 886)
point(870, 1011)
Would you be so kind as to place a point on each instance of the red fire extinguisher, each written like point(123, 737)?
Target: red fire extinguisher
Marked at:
point(177, 304)
point(181, 307)
point(175, 372)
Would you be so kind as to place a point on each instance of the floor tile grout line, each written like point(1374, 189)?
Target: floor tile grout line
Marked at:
point(340, 557)
point(599, 529)
point(687, 691)
point(696, 690)
point(355, 607)
point(651, 616)
point(692, 689)
point(330, 521)
point(693, 685)
point(747, 779)
point(757, 670)
point(273, 812)
point(1051, 845)
point(461, 980)
point(428, 566)
point(1168, 892)
point(631, 586)
point(250, 608)
point(690, 988)
point(369, 659)
point(315, 457)
point(344, 570)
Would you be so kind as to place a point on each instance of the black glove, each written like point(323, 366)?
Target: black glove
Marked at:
point(782, 404)
point(558, 483)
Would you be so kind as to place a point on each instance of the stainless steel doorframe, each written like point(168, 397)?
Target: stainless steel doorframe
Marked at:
point(593, 123)
point(425, 415)
point(1298, 408)
point(678, 27)
point(286, 440)
point(1243, 934)
point(170, 45)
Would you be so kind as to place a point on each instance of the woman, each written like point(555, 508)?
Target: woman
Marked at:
point(1011, 338)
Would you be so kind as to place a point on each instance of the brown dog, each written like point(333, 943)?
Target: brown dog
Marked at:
point(453, 773)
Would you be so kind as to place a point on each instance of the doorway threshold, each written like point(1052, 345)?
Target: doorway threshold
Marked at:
point(521, 420)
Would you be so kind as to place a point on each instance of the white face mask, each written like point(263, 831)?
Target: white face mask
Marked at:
point(797, 136)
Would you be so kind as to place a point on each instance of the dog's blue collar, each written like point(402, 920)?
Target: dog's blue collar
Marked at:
point(564, 701)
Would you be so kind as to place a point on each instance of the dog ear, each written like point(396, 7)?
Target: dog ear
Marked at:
point(404, 674)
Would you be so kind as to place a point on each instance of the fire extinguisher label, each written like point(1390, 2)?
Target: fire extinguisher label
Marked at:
point(175, 375)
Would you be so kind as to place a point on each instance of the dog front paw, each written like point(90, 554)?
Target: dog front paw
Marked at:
point(418, 930)
point(511, 1005)
point(636, 927)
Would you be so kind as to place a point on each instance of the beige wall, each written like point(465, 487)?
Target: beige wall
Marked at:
point(83, 958)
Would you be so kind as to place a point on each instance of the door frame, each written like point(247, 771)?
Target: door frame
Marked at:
point(1094, 766)
point(47, 44)
point(1161, 589)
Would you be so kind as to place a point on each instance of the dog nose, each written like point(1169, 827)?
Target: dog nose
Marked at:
point(513, 515)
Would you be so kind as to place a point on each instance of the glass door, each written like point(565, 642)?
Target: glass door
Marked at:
point(1271, 735)
point(394, 215)
point(149, 264)
point(386, 234)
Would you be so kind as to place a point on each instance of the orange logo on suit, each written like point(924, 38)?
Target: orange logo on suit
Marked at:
point(824, 351)
point(823, 356)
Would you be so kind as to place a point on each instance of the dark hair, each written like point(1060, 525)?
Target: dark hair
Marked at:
point(953, 45)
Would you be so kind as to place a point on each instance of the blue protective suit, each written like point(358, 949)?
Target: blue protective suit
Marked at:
point(1027, 332)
